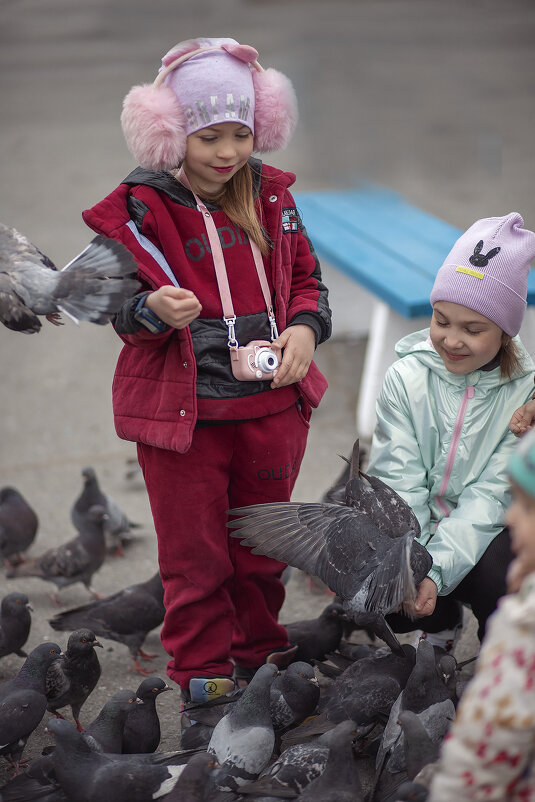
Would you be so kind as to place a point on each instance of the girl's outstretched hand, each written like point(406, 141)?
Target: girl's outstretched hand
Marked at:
point(174, 305)
point(425, 602)
point(299, 343)
point(523, 419)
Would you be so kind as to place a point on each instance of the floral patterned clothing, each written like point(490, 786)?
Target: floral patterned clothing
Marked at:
point(490, 750)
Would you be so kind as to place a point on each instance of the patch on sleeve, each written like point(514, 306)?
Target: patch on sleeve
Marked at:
point(289, 221)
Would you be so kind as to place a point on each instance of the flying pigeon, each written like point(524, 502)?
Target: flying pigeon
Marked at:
point(74, 561)
point(70, 680)
point(18, 525)
point(243, 740)
point(15, 623)
point(117, 525)
point(92, 287)
point(23, 702)
point(126, 616)
point(364, 550)
point(142, 727)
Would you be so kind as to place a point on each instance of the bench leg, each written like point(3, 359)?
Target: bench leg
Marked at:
point(386, 328)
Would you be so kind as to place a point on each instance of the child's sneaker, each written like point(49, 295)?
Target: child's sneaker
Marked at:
point(446, 639)
point(202, 689)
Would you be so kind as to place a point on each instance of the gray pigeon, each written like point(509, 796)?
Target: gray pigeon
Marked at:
point(141, 732)
point(294, 695)
point(126, 616)
point(18, 525)
point(194, 781)
point(365, 692)
point(15, 623)
point(117, 525)
point(37, 782)
point(23, 702)
point(365, 550)
point(105, 733)
point(92, 287)
point(316, 637)
point(243, 740)
point(74, 561)
point(70, 680)
point(340, 780)
point(89, 776)
point(294, 769)
point(429, 695)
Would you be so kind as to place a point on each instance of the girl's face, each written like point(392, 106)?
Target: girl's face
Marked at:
point(215, 154)
point(520, 519)
point(464, 339)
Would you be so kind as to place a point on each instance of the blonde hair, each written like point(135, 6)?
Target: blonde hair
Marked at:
point(510, 359)
point(237, 201)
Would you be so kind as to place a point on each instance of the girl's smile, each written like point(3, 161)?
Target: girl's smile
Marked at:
point(215, 154)
point(463, 338)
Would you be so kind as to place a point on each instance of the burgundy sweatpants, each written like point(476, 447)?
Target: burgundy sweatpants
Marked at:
point(221, 600)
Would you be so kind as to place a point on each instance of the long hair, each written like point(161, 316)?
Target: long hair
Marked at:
point(237, 201)
point(510, 359)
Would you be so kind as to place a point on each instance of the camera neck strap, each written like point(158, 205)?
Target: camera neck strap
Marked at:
point(229, 316)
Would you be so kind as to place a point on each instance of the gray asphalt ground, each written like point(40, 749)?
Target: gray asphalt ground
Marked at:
point(433, 99)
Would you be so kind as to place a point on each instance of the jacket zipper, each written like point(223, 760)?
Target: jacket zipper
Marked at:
point(467, 396)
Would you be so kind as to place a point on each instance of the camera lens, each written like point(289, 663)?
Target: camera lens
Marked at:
point(267, 360)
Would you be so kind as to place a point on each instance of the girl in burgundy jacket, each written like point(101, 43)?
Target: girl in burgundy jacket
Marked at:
point(208, 441)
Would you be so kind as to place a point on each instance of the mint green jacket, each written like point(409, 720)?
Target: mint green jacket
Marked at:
point(442, 441)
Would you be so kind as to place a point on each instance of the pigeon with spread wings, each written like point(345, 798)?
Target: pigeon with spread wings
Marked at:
point(93, 286)
point(364, 550)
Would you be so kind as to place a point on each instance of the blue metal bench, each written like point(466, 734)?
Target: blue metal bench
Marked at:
point(392, 249)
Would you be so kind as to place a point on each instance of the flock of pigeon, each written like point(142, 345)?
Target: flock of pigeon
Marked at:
point(305, 733)
point(345, 721)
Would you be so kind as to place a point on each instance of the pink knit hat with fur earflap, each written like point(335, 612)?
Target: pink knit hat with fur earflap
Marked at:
point(204, 82)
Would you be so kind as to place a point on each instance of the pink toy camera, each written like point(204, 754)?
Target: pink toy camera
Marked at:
point(258, 360)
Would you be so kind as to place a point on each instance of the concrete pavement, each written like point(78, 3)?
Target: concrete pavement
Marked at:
point(433, 99)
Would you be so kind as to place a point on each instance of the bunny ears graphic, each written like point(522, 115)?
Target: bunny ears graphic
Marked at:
point(203, 82)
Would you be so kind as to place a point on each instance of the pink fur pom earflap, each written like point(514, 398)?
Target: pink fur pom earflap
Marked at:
point(275, 110)
point(204, 82)
point(154, 127)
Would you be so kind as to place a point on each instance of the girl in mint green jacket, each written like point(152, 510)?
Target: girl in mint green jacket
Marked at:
point(442, 438)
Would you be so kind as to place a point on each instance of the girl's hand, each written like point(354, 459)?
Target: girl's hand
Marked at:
point(174, 305)
point(299, 343)
point(523, 419)
point(425, 602)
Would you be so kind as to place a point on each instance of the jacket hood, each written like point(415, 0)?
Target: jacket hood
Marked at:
point(419, 345)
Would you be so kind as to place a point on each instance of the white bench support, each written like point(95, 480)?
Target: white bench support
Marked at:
point(386, 328)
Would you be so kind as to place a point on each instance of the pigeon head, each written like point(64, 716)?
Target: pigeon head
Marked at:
point(151, 688)
point(15, 604)
point(89, 475)
point(81, 642)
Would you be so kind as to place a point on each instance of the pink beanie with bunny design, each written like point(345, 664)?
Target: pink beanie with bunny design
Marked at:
point(205, 82)
point(487, 270)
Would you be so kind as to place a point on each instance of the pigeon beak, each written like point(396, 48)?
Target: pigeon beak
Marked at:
point(314, 680)
point(167, 688)
point(29, 607)
point(98, 643)
point(139, 701)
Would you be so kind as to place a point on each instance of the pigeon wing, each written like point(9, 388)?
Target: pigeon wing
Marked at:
point(337, 544)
